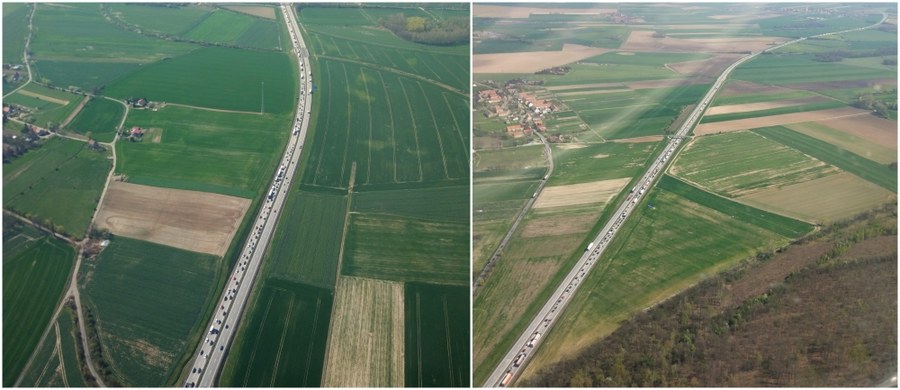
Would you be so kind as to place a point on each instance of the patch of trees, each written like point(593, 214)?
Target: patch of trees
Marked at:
point(889, 61)
point(838, 55)
point(831, 323)
point(79, 347)
point(446, 32)
point(95, 348)
point(14, 148)
point(869, 101)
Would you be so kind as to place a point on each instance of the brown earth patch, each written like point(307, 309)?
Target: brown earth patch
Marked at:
point(592, 92)
point(710, 67)
point(583, 193)
point(666, 83)
point(514, 12)
point(869, 127)
point(530, 62)
point(581, 86)
point(558, 225)
point(826, 199)
point(635, 140)
point(774, 120)
point(571, 146)
point(153, 134)
point(644, 41)
point(601, 155)
point(191, 220)
point(845, 84)
point(42, 97)
point(850, 142)
point(872, 247)
point(748, 107)
point(75, 112)
point(263, 12)
point(737, 87)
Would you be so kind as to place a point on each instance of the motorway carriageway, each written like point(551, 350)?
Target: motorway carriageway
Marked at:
point(210, 354)
point(516, 359)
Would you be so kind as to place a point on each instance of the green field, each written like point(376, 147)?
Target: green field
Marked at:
point(658, 252)
point(35, 273)
point(221, 26)
point(227, 153)
point(101, 117)
point(71, 364)
point(15, 28)
point(633, 113)
point(255, 78)
point(541, 33)
point(168, 20)
point(399, 248)
point(645, 59)
point(438, 331)
point(740, 162)
point(797, 25)
point(883, 175)
point(309, 217)
point(780, 69)
point(745, 98)
point(67, 169)
point(775, 223)
point(595, 162)
point(291, 319)
point(422, 203)
point(148, 299)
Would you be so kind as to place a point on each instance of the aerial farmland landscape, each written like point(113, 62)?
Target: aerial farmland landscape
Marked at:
point(235, 195)
point(684, 194)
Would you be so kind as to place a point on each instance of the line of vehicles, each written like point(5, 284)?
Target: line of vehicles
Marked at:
point(211, 351)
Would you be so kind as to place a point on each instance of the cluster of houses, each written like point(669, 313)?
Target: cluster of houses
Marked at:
point(523, 112)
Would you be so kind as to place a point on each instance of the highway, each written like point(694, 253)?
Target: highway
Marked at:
point(479, 280)
point(214, 345)
point(518, 356)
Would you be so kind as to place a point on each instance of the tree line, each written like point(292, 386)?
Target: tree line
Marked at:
point(446, 32)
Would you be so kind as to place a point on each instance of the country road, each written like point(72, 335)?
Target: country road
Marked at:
point(486, 270)
point(219, 334)
point(520, 353)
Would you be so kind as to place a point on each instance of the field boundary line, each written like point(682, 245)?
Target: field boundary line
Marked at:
point(393, 131)
point(62, 364)
point(284, 330)
point(436, 130)
point(419, 336)
point(447, 334)
point(387, 46)
point(214, 109)
point(258, 335)
point(312, 339)
point(415, 128)
point(397, 71)
point(369, 105)
point(346, 222)
point(458, 129)
point(325, 131)
point(349, 124)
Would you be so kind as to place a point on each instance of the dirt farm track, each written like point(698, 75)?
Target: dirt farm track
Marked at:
point(191, 220)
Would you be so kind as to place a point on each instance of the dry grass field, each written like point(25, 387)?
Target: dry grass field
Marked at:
point(850, 139)
point(530, 62)
point(782, 119)
point(644, 41)
point(579, 194)
point(869, 127)
point(514, 12)
point(748, 107)
point(195, 221)
point(365, 342)
point(263, 12)
point(740, 87)
point(710, 67)
point(822, 200)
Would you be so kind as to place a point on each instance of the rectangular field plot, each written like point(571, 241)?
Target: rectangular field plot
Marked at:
point(395, 129)
point(780, 69)
point(657, 253)
point(389, 247)
point(195, 221)
point(15, 27)
point(856, 144)
point(45, 104)
point(882, 175)
point(823, 200)
point(67, 169)
point(169, 20)
point(365, 341)
point(580, 194)
point(101, 117)
point(220, 26)
point(780, 119)
point(437, 335)
point(309, 238)
point(581, 163)
point(225, 153)
point(283, 340)
point(257, 81)
point(148, 298)
point(744, 162)
point(449, 204)
point(33, 282)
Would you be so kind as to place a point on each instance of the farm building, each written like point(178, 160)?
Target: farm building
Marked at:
point(137, 131)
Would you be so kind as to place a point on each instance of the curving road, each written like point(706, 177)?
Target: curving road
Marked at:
point(210, 354)
point(517, 358)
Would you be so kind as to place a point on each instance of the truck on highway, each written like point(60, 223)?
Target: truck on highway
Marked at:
point(534, 340)
point(506, 379)
point(519, 359)
point(591, 245)
point(213, 330)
